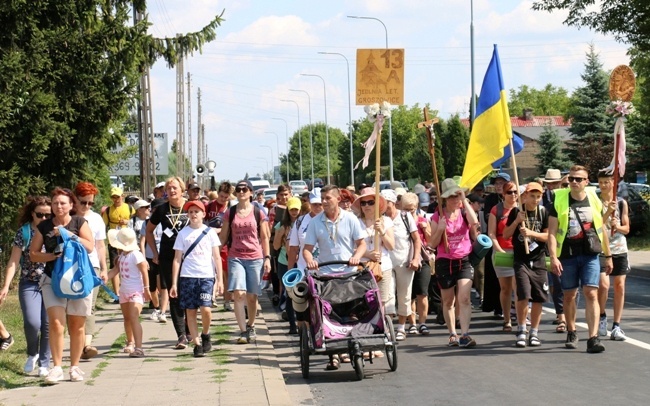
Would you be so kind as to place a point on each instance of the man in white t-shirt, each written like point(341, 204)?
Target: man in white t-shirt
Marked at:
point(299, 231)
point(196, 254)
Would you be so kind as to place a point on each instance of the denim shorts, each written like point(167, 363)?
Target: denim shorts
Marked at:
point(580, 270)
point(194, 293)
point(245, 274)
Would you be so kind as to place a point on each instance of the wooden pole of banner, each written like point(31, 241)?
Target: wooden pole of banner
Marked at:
point(616, 177)
point(377, 180)
point(521, 200)
point(428, 125)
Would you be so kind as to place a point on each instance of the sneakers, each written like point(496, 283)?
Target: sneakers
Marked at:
point(521, 339)
point(198, 351)
point(618, 334)
point(181, 344)
point(602, 326)
point(206, 343)
point(162, 318)
point(467, 341)
point(534, 341)
point(54, 376)
point(453, 341)
point(594, 345)
point(250, 332)
point(227, 307)
point(571, 340)
point(243, 338)
point(43, 372)
point(89, 352)
point(5, 343)
point(155, 315)
point(30, 364)
point(76, 374)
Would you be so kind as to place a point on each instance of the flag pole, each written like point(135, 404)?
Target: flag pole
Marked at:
point(521, 200)
point(616, 178)
point(377, 180)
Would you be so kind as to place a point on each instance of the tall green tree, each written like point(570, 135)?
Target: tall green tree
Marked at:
point(68, 76)
point(550, 153)
point(637, 129)
point(454, 146)
point(549, 101)
point(591, 128)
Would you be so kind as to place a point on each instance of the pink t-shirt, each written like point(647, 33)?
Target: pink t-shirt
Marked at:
point(245, 241)
point(460, 244)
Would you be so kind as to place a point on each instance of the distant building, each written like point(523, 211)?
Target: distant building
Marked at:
point(529, 128)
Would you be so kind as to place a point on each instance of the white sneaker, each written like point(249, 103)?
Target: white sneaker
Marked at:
point(54, 376)
point(162, 318)
point(43, 372)
point(602, 327)
point(76, 374)
point(618, 334)
point(30, 364)
point(155, 315)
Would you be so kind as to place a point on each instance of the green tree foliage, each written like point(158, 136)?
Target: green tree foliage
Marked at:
point(637, 129)
point(591, 128)
point(68, 75)
point(549, 101)
point(454, 147)
point(627, 20)
point(550, 153)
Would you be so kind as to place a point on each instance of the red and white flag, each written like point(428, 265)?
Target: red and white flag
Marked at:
point(369, 145)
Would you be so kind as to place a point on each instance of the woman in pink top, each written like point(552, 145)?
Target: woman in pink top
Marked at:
point(452, 260)
point(248, 257)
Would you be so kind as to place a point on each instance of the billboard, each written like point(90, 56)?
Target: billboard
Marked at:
point(130, 164)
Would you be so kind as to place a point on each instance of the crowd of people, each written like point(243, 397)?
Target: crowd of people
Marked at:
point(178, 251)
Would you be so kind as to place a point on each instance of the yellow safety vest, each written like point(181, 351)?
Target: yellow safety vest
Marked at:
point(561, 204)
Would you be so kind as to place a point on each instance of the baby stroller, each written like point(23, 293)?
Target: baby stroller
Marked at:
point(345, 316)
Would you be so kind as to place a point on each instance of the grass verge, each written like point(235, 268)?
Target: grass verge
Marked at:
point(639, 242)
point(116, 347)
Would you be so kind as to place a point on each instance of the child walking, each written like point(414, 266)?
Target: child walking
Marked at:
point(196, 256)
point(132, 268)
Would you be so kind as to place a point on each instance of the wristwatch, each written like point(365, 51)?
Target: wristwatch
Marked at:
point(267, 257)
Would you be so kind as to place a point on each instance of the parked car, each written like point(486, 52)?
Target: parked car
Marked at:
point(318, 182)
point(298, 187)
point(260, 184)
point(638, 208)
point(641, 189)
point(270, 193)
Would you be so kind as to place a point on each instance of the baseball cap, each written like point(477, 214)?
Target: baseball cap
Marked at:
point(534, 186)
point(116, 191)
point(159, 185)
point(196, 203)
point(293, 203)
point(389, 195)
point(424, 199)
point(474, 198)
point(193, 185)
point(140, 204)
point(314, 196)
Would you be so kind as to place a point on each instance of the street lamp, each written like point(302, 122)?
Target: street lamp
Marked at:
point(272, 167)
point(327, 135)
point(286, 132)
point(349, 114)
point(390, 121)
point(299, 134)
point(311, 137)
point(277, 140)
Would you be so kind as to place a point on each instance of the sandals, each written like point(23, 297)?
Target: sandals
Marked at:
point(334, 364)
point(400, 335)
point(129, 348)
point(561, 327)
point(345, 358)
point(412, 329)
point(507, 327)
point(5, 343)
point(137, 353)
point(423, 329)
point(453, 341)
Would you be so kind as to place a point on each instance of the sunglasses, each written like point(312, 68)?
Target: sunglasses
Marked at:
point(90, 203)
point(577, 179)
point(242, 189)
point(511, 192)
point(42, 215)
point(367, 203)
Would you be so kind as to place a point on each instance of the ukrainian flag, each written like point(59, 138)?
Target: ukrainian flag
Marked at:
point(492, 129)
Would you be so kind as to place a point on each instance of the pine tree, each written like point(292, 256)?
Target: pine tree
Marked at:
point(591, 128)
point(637, 129)
point(454, 146)
point(550, 151)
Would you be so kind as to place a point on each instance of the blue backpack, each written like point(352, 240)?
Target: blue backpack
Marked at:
point(73, 276)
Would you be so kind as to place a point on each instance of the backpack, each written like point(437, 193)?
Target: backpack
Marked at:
point(108, 216)
point(27, 239)
point(231, 218)
point(73, 276)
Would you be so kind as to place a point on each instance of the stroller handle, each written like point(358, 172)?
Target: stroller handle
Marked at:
point(334, 263)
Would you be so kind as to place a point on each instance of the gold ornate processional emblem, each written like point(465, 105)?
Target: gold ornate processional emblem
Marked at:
point(622, 83)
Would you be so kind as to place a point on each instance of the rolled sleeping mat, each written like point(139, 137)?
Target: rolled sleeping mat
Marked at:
point(292, 277)
point(301, 307)
point(503, 260)
point(298, 293)
point(480, 249)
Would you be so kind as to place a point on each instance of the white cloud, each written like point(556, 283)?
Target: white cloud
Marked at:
point(288, 29)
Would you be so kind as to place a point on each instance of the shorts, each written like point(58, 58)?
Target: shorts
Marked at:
point(245, 274)
point(532, 280)
point(195, 292)
point(580, 270)
point(620, 262)
point(449, 271)
point(165, 272)
point(153, 275)
point(73, 307)
point(131, 297)
point(501, 271)
point(421, 280)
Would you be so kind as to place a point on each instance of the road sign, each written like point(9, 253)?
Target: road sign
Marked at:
point(380, 76)
point(130, 165)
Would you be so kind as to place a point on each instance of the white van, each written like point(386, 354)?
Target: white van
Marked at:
point(260, 184)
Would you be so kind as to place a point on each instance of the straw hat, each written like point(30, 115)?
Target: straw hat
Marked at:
point(369, 191)
point(552, 175)
point(450, 187)
point(123, 239)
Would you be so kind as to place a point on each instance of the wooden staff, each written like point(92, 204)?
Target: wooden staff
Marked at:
point(431, 141)
point(616, 177)
point(521, 201)
point(377, 180)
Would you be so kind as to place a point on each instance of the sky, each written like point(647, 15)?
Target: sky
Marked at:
point(263, 47)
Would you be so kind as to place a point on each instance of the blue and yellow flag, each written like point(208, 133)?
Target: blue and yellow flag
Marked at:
point(492, 130)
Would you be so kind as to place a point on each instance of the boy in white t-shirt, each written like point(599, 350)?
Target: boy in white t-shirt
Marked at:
point(196, 255)
point(132, 268)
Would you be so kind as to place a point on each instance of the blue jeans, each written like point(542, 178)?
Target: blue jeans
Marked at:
point(35, 321)
point(580, 270)
point(245, 274)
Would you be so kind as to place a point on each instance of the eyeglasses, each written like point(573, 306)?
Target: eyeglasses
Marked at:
point(577, 179)
point(242, 189)
point(511, 192)
point(42, 215)
point(90, 203)
point(367, 203)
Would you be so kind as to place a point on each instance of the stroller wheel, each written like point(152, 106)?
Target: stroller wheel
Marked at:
point(304, 351)
point(357, 362)
point(391, 350)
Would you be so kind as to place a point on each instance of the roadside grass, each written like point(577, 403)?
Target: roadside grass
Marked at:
point(220, 336)
point(116, 347)
point(639, 242)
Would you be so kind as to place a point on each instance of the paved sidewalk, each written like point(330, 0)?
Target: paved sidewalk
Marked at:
point(250, 376)
point(639, 263)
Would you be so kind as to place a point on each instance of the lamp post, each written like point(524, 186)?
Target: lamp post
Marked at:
point(286, 131)
point(390, 120)
point(272, 167)
point(299, 134)
point(327, 134)
point(277, 140)
point(349, 114)
point(311, 137)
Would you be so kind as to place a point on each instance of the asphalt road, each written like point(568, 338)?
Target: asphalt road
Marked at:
point(495, 372)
